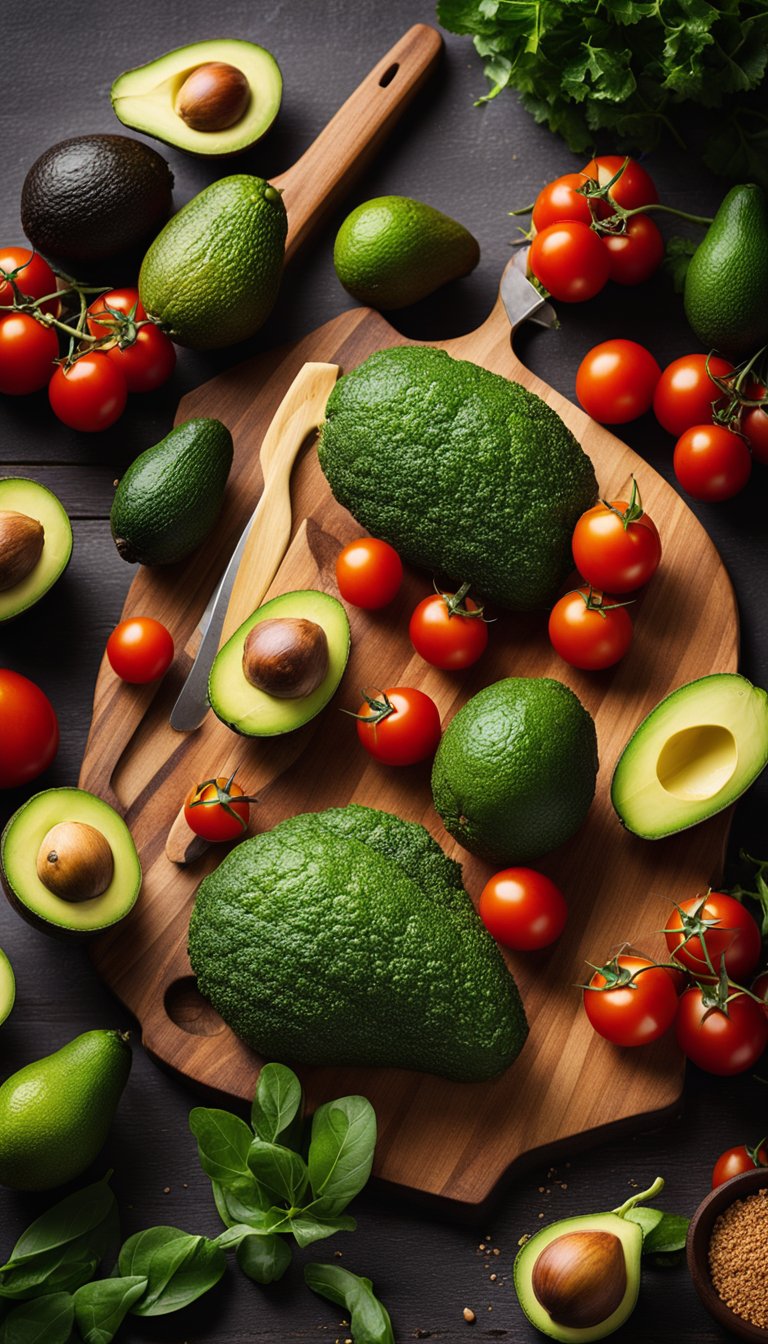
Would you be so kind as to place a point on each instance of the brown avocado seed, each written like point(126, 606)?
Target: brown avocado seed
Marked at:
point(286, 657)
point(75, 861)
point(213, 97)
point(21, 545)
point(580, 1278)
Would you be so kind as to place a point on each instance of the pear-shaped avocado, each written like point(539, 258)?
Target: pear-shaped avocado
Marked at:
point(35, 544)
point(726, 287)
point(170, 497)
point(392, 251)
point(55, 1113)
point(7, 987)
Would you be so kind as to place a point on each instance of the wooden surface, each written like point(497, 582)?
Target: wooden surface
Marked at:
point(431, 1130)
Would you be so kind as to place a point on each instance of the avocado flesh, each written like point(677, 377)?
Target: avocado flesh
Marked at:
point(36, 501)
point(346, 937)
point(144, 98)
point(253, 712)
point(19, 847)
point(694, 754)
point(7, 987)
point(631, 1236)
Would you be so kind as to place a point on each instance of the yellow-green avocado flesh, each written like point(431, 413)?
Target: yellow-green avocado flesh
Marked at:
point(145, 98)
point(7, 987)
point(19, 846)
point(694, 754)
point(253, 712)
point(36, 501)
point(631, 1237)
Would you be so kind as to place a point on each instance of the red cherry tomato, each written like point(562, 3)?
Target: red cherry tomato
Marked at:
point(616, 380)
point(89, 395)
point(735, 1161)
point(711, 462)
point(560, 200)
point(633, 189)
point(754, 425)
point(523, 909)
point(636, 1013)
point(27, 352)
point(125, 301)
point(218, 810)
point(721, 1043)
point(140, 650)
point(29, 730)
point(685, 392)
point(33, 277)
point(589, 632)
point(445, 637)
point(150, 358)
point(733, 934)
point(569, 260)
point(614, 549)
point(636, 254)
point(369, 573)
point(399, 726)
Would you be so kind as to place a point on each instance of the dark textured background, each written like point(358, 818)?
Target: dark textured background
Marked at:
point(477, 164)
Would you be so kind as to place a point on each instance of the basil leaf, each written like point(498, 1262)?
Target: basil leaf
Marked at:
point(277, 1106)
point(101, 1307)
point(243, 1205)
point(646, 1218)
point(369, 1321)
point(279, 1170)
point(223, 1141)
point(274, 1220)
point(264, 1259)
point(308, 1227)
point(668, 1235)
point(48, 1320)
point(58, 1271)
point(68, 1221)
point(341, 1152)
point(179, 1268)
point(63, 1247)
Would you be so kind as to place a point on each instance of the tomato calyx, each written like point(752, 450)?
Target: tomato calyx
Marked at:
point(634, 510)
point(595, 601)
point(223, 797)
point(380, 705)
point(455, 604)
point(754, 1153)
point(617, 976)
point(694, 925)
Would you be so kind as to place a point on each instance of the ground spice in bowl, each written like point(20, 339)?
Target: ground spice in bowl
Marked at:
point(738, 1257)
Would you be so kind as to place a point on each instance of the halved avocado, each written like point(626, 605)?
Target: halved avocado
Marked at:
point(578, 1279)
point(7, 987)
point(235, 82)
point(67, 813)
point(25, 508)
point(251, 710)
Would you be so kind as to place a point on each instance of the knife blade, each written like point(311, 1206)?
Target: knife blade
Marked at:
point(522, 300)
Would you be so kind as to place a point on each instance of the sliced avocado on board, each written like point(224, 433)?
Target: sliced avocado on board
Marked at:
point(392, 251)
point(68, 863)
point(696, 752)
point(7, 987)
point(215, 97)
point(35, 544)
point(246, 665)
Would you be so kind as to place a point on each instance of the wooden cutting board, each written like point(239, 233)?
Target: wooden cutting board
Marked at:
point(568, 1086)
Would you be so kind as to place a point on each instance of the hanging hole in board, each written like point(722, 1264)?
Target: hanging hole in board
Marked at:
point(186, 1006)
point(388, 75)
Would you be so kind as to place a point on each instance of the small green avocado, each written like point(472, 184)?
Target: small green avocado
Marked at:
point(35, 544)
point(55, 1113)
point(392, 251)
point(68, 863)
point(170, 496)
point(696, 752)
point(214, 97)
point(283, 664)
point(7, 987)
point(726, 286)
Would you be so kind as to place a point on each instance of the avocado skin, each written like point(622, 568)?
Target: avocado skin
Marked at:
point(726, 286)
point(392, 251)
point(95, 197)
point(514, 774)
point(346, 937)
point(170, 497)
point(211, 276)
point(466, 474)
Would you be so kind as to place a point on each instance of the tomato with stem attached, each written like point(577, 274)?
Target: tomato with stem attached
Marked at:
point(29, 730)
point(616, 545)
point(399, 726)
point(106, 312)
point(724, 1036)
point(90, 394)
point(32, 275)
point(616, 380)
point(140, 650)
point(569, 260)
point(686, 393)
point(702, 931)
point(712, 463)
point(523, 909)
point(27, 353)
point(218, 810)
point(449, 630)
point(369, 573)
point(561, 200)
point(589, 630)
point(633, 188)
point(631, 1001)
point(735, 1161)
point(144, 354)
point(636, 253)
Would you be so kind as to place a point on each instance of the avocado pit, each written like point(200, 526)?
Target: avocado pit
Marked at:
point(21, 545)
point(580, 1278)
point(75, 861)
point(213, 97)
point(286, 657)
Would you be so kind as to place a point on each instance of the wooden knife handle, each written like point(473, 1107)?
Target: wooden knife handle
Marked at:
point(314, 183)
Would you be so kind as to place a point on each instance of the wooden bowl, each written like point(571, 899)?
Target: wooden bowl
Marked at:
point(697, 1250)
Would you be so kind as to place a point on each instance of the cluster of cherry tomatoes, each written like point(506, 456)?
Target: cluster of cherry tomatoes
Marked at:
point(114, 348)
point(715, 947)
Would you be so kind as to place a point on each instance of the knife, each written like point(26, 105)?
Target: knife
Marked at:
point(522, 300)
point(262, 545)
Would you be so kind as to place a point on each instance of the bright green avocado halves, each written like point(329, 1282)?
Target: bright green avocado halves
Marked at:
point(346, 937)
point(466, 474)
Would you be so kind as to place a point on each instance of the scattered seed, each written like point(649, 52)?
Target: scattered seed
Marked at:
point(541, 1189)
point(496, 1251)
point(469, 1315)
point(167, 1190)
point(539, 1215)
point(525, 1237)
point(481, 1247)
point(494, 1278)
point(563, 1185)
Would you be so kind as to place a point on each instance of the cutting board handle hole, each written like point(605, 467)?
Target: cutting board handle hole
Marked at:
point(186, 1006)
point(389, 75)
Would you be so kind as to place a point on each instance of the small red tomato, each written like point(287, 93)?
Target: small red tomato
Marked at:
point(90, 395)
point(634, 188)
point(754, 425)
point(711, 462)
point(616, 380)
point(735, 1161)
point(218, 810)
point(33, 277)
point(523, 909)
point(140, 649)
point(719, 1042)
point(631, 1012)
point(110, 307)
point(29, 730)
point(685, 392)
point(448, 631)
point(561, 200)
point(27, 352)
point(149, 358)
point(635, 254)
point(589, 631)
point(616, 545)
point(569, 260)
point(369, 573)
point(399, 726)
point(730, 932)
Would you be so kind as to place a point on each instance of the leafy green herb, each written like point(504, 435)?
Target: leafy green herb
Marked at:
point(278, 1170)
point(245, 1206)
point(264, 1259)
point(308, 1227)
point(62, 1249)
point(646, 1218)
point(178, 1266)
point(668, 1235)
point(369, 1321)
point(223, 1141)
point(277, 1106)
point(101, 1307)
point(341, 1152)
point(47, 1320)
point(677, 259)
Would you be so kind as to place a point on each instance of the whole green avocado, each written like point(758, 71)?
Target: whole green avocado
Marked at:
point(726, 285)
point(346, 937)
point(466, 474)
